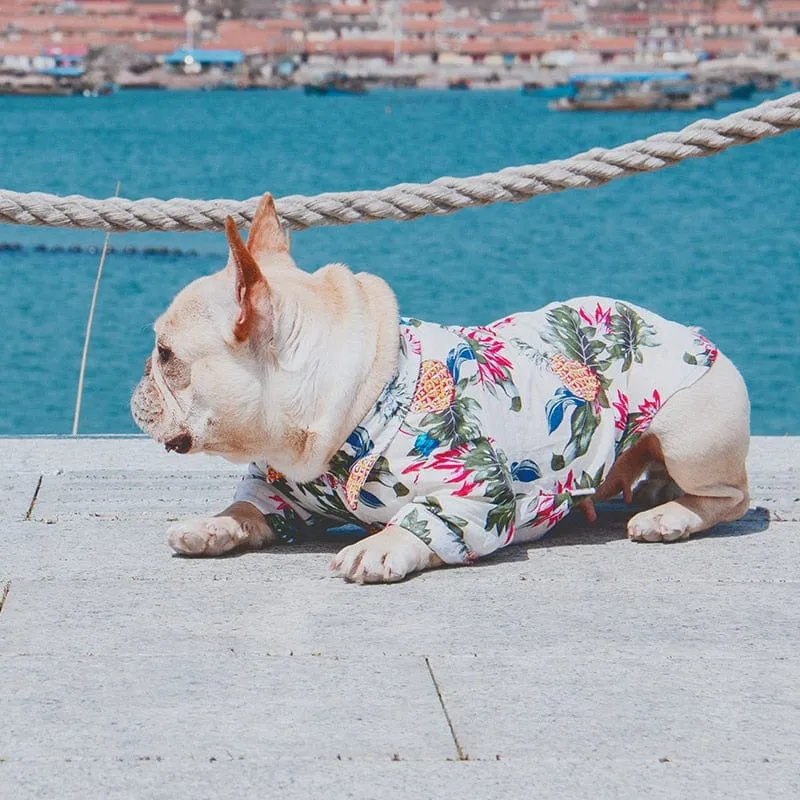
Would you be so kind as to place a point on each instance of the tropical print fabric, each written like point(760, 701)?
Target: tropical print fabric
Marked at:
point(489, 435)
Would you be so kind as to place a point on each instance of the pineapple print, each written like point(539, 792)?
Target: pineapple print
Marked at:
point(577, 377)
point(359, 473)
point(273, 475)
point(435, 388)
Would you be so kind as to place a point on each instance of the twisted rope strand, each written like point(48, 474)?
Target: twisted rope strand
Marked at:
point(406, 201)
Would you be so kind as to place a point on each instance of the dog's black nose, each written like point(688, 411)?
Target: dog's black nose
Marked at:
point(182, 443)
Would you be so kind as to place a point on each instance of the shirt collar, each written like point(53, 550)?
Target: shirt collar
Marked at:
point(374, 433)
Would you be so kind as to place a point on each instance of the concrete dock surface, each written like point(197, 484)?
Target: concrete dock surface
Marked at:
point(582, 666)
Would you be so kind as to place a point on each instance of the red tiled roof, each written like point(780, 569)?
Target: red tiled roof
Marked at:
point(501, 46)
point(560, 18)
point(348, 10)
point(509, 28)
point(432, 7)
point(42, 23)
point(156, 9)
point(669, 18)
point(727, 46)
point(614, 44)
point(246, 26)
point(460, 24)
point(784, 5)
point(375, 48)
point(255, 41)
point(735, 17)
point(23, 47)
point(787, 43)
point(106, 6)
point(421, 25)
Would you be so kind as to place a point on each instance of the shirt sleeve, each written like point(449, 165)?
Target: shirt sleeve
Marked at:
point(285, 517)
point(471, 512)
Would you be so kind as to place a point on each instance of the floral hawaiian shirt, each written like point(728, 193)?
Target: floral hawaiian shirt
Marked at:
point(493, 433)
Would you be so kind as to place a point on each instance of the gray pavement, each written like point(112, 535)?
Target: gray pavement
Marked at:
point(584, 665)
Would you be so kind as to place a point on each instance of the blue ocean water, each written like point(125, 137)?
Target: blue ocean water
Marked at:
point(714, 242)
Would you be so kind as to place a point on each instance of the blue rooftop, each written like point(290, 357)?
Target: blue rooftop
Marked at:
point(63, 72)
point(205, 56)
point(629, 77)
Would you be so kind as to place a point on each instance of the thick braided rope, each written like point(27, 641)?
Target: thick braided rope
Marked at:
point(409, 200)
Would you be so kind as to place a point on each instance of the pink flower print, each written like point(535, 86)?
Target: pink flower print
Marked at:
point(546, 513)
point(493, 366)
point(709, 349)
point(449, 461)
point(280, 503)
point(552, 507)
point(500, 323)
point(413, 341)
point(510, 531)
point(620, 411)
point(453, 461)
point(568, 483)
point(647, 410)
point(464, 490)
point(600, 317)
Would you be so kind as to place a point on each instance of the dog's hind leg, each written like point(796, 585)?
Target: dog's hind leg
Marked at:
point(656, 488)
point(703, 432)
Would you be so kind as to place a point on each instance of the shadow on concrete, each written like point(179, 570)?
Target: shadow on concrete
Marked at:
point(611, 524)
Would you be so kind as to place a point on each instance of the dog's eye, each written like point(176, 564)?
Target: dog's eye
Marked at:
point(164, 354)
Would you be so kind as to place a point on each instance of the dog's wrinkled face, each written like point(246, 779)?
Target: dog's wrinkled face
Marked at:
point(202, 386)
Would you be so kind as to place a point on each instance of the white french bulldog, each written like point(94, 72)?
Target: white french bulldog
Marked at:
point(443, 443)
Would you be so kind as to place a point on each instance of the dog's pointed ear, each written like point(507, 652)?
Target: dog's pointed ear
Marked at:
point(266, 234)
point(250, 282)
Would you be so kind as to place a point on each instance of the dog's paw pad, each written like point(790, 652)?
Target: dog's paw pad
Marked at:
point(205, 537)
point(370, 562)
point(667, 523)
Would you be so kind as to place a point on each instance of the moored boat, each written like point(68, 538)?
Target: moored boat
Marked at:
point(550, 91)
point(336, 83)
point(633, 91)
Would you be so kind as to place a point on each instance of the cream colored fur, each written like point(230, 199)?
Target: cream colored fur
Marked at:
point(263, 361)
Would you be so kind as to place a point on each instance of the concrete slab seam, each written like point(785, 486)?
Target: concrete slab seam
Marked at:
point(462, 756)
point(4, 595)
point(34, 498)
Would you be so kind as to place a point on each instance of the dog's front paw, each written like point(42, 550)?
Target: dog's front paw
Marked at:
point(207, 536)
point(385, 557)
point(666, 523)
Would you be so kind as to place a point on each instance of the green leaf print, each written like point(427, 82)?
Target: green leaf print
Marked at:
point(501, 514)
point(381, 473)
point(629, 436)
point(454, 425)
point(630, 333)
point(576, 341)
point(587, 481)
point(419, 527)
point(490, 467)
point(339, 465)
point(583, 424)
point(319, 497)
point(487, 464)
point(455, 525)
